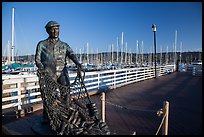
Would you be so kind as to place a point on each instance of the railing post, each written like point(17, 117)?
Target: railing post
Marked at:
point(19, 95)
point(144, 73)
point(165, 112)
point(114, 79)
point(136, 70)
point(98, 80)
point(161, 70)
point(126, 76)
point(103, 106)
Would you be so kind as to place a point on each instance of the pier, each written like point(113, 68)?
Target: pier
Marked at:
point(137, 104)
point(132, 108)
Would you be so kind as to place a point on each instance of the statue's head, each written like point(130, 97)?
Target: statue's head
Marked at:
point(52, 28)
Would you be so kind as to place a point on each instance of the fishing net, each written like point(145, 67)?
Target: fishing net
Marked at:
point(69, 108)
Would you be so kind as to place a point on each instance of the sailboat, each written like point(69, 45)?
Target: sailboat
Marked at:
point(11, 67)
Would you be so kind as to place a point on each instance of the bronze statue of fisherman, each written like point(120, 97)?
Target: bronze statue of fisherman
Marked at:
point(65, 112)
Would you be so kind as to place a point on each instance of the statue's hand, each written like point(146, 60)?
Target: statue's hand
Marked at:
point(79, 69)
point(41, 72)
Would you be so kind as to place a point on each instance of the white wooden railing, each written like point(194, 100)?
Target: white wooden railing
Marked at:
point(18, 90)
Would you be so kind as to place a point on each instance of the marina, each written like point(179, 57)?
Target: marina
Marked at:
point(23, 86)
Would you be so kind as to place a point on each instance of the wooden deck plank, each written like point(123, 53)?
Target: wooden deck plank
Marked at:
point(143, 99)
point(181, 89)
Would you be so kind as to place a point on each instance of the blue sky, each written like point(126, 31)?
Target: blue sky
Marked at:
point(100, 23)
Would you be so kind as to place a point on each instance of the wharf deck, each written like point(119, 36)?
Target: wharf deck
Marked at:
point(132, 108)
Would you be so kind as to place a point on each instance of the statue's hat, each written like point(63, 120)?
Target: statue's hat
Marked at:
point(51, 24)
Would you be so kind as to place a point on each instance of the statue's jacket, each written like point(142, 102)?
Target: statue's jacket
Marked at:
point(53, 55)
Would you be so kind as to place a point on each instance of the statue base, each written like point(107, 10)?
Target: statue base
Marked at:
point(41, 128)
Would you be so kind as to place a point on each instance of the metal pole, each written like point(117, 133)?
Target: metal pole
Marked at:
point(155, 57)
point(165, 112)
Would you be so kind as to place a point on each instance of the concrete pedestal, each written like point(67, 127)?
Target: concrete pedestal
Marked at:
point(41, 128)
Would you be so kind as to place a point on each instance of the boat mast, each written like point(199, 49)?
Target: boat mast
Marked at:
point(161, 56)
point(137, 53)
point(175, 57)
point(122, 49)
point(126, 53)
point(112, 57)
point(76, 53)
point(87, 44)
point(92, 56)
point(80, 57)
point(97, 57)
point(142, 52)
point(12, 38)
point(167, 56)
point(9, 56)
point(180, 51)
point(117, 50)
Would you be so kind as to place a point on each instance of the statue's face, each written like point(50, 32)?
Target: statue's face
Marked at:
point(54, 32)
